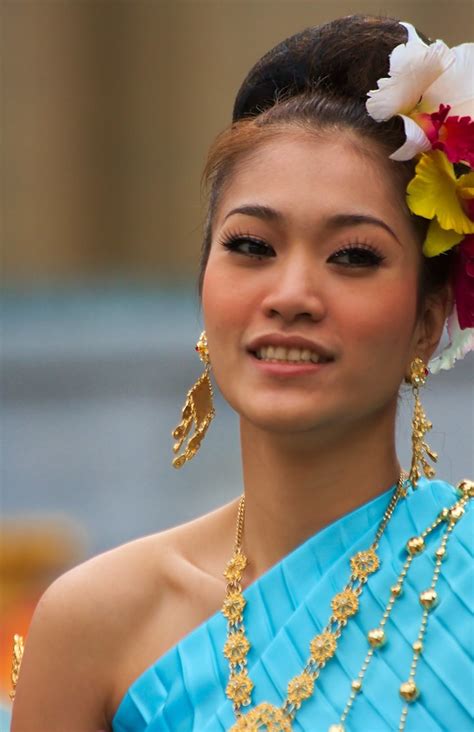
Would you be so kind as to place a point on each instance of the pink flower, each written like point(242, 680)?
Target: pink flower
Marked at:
point(454, 135)
point(464, 282)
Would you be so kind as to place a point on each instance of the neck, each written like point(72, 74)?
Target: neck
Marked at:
point(296, 485)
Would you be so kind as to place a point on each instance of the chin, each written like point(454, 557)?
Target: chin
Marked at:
point(279, 418)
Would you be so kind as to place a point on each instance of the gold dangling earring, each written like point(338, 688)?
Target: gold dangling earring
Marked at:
point(198, 408)
point(420, 426)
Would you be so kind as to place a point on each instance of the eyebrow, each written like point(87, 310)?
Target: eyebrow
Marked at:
point(338, 221)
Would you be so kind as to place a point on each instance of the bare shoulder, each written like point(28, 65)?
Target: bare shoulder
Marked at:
point(101, 624)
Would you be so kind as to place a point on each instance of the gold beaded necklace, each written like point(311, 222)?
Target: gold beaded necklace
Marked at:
point(428, 599)
point(344, 605)
point(322, 647)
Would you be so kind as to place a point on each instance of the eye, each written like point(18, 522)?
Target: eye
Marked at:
point(357, 255)
point(248, 245)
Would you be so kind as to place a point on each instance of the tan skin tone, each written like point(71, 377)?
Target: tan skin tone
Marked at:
point(314, 445)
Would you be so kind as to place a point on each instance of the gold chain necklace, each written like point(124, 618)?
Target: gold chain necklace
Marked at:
point(446, 520)
point(322, 647)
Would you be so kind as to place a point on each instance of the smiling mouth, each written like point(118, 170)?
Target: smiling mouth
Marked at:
point(280, 354)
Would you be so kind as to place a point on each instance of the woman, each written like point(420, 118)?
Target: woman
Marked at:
point(318, 303)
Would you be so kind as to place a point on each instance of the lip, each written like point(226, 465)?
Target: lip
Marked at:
point(287, 369)
point(286, 341)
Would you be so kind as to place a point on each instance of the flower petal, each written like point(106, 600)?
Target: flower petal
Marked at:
point(414, 67)
point(463, 283)
point(465, 190)
point(455, 85)
point(454, 135)
point(461, 342)
point(411, 32)
point(439, 240)
point(434, 192)
point(432, 123)
point(466, 185)
point(415, 143)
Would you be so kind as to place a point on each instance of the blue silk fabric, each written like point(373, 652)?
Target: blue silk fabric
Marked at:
point(184, 690)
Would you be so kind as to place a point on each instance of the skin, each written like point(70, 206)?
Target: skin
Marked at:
point(314, 445)
point(307, 439)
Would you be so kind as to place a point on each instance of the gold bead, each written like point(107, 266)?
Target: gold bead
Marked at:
point(336, 728)
point(444, 514)
point(440, 552)
point(417, 646)
point(376, 637)
point(466, 488)
point(428, 470)
point(409, 691)
point(456, 513)
point(356, 685)
point(415, 545)
point(396, 590)
point(428, 598)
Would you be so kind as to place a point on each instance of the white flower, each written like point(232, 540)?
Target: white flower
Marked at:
point(461, 342)
point(421, 77)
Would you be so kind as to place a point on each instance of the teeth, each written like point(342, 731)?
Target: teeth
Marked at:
point(279, 353)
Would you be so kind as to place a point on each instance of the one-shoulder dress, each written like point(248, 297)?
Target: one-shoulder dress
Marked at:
point(184, 690)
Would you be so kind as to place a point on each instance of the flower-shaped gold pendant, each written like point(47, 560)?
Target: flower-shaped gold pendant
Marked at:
point(264, 718)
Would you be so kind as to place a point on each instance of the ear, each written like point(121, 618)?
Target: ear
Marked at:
point(436, 309)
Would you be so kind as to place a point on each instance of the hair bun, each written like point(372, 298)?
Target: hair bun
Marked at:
point(344, 57)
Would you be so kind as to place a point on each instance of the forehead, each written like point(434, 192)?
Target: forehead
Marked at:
point(308, 177)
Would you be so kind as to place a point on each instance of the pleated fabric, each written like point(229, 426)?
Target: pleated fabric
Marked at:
point(184, 690)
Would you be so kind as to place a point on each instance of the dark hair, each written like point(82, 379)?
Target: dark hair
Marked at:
point(318, 80)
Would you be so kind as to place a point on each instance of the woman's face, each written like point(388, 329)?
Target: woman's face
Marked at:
point(312, 256)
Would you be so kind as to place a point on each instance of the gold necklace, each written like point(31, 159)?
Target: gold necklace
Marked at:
point(446, 520)
point(322, 647)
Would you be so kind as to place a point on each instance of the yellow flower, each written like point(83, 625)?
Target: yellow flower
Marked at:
point(439, 240)
point(435, 193)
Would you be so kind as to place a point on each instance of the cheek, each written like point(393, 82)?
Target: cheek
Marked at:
point(230, 293)
point(218, 296)
point(225, 307)
point(382, 327)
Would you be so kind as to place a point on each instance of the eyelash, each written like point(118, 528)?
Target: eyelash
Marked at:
point(373, 258)
point(232, 242)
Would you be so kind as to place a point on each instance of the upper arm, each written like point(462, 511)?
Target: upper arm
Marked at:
point(62, 683)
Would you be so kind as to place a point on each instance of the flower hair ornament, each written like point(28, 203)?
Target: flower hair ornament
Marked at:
point(430, 87)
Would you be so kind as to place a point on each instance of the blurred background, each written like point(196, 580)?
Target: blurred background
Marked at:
point(108, 108)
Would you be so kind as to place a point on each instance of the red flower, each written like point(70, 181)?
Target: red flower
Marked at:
point(454, 135)
point(464, 282)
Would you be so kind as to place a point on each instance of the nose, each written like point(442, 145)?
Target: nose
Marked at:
point(295, 292)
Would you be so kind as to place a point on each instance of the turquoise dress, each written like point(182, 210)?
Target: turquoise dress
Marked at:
point(184, 690)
